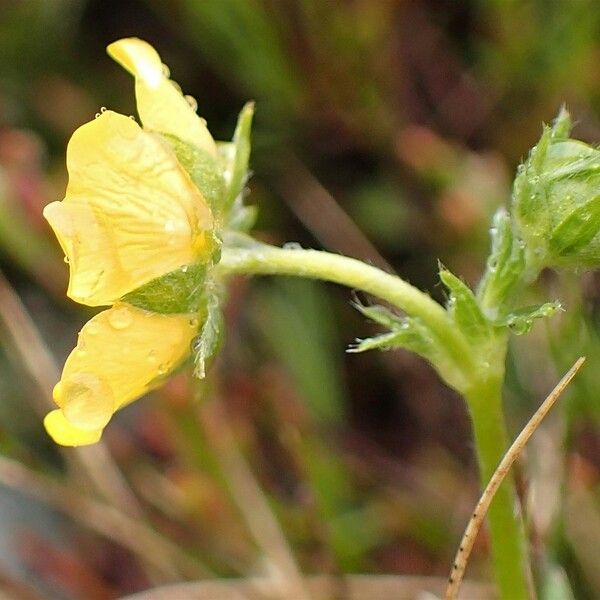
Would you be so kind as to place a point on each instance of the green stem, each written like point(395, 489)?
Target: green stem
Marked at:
point(483, 398)
point(261, 259)
point(507, 532)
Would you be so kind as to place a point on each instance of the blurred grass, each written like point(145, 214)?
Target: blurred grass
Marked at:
point(408, 117)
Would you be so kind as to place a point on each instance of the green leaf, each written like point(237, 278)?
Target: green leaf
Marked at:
point(464, 309)
point(411, 334)
point(205, 169)
point(408, 333)
point(180, 291)
point(522, 320)
point(207, 344)
point(380, 314)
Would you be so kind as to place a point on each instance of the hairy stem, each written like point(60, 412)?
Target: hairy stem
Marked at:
point(261, 259)
point(507, 532)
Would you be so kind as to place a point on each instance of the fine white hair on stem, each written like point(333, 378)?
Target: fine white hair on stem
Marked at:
point(466, 544)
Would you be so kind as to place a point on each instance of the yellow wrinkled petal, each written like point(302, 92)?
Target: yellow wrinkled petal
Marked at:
point(131, 213)
point(121, 353)
point(65, 434)
point(160, 104)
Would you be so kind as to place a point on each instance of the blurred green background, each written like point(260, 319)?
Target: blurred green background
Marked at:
point(387, 130)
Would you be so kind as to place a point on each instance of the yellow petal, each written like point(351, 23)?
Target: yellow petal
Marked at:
point(160, 104)
point(65, 434)
point(121, 353)
point(131, 213)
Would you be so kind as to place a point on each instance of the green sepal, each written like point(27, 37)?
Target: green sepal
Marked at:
point(562, 125)
point(236, 156)
point(529, 197)
point(505, 266)
point(205, 169)
point(180, 291)
point(242, 217)
point(522, 320)
point(208, 342)
point(571, 236)
point(464, 310)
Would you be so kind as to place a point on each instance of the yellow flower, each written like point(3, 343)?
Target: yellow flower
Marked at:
point(131, 214)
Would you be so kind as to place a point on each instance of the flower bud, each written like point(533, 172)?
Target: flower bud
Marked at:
point(556, 201)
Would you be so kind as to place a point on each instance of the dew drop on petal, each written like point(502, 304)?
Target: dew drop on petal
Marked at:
point(152, 356)
point(163, 368)
point(192, 102)
point(96, 115)
point(194, 322)
point(184, 269)
point(66, 259)
point(132, 117)
point(166, 71)
point(103, 109)
point(120, 318)
point(86, 400)
point(91, 328)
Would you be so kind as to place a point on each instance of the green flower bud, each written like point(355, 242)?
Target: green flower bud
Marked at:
point(556, 201)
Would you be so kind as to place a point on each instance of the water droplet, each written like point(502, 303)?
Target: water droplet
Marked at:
point(86, 400)
point(152, 356)
point(192, 102)
point(292, 246)
point(166, 71)
point(103, 109)
point(91, 328)
point(163, 368)
point(66, 259)
point(132, 117)
point(184, 269)
point(120, 318)
point(194, 322)
point(96, 115)
point(176, 86)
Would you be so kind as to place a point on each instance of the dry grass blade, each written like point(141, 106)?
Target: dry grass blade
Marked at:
point(468, 539)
